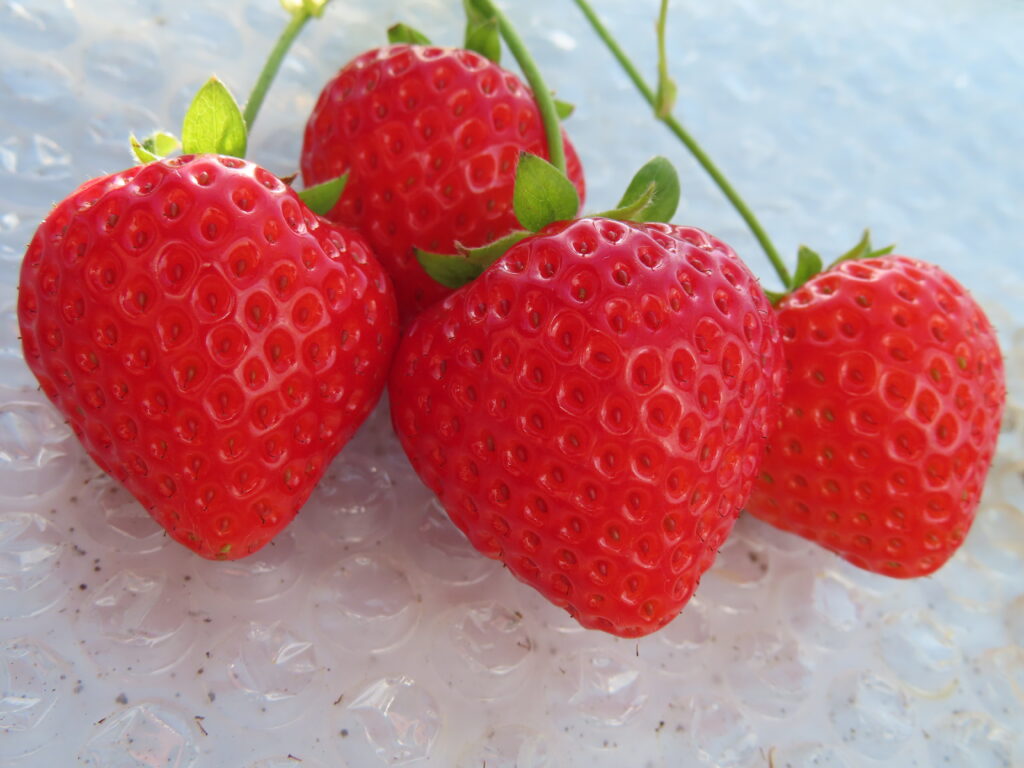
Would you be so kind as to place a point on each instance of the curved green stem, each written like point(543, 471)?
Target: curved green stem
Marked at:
point(546, 104)
point(301, 13)
point(689, 142)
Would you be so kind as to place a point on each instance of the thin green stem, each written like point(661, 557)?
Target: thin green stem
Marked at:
point(300, 15)
point(688, 141)
point(545, 103)
point(666, 94)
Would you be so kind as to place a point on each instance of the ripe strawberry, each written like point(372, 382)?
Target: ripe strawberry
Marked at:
point(890, 416)
point(430, 138)
point(212, 343)
point(592, 411)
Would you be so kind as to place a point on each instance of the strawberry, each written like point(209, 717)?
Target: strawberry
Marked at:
point(592, 410)
point(212, 343)
point(890, 417)
point(429, 138)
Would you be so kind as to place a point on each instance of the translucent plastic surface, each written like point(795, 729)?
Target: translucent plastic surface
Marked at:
point(370, 633)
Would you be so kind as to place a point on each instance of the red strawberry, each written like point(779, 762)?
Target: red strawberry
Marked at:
point(890, 416)
point(211, 342)
point(592, 411)
point(430, 137)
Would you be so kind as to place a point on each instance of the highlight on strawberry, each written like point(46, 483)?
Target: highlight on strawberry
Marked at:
point(211, 341)
point(429, 138)
point(895, 392)
point(591, 403)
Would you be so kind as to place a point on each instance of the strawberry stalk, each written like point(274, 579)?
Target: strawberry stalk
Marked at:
point(301, 12)
point(661, 102)
point(545, 102)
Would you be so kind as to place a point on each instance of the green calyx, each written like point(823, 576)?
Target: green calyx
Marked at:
point(155, 146)
point(809, 263)
point(482, 32)
point(215, 124)
point(652, 195)
point(321, 198)
point(403, 33)
point(543, 192)
point(544, 195)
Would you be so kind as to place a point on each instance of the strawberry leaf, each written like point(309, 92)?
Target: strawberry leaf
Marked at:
point(564, 109)
point(808, 264)
point(454, 271)
point(542, 194)
point(321, 198)
point(652, 195)
point(482, 34)
point(403, 33)
point(214, 123)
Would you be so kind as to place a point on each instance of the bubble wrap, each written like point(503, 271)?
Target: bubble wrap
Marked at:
point(370, 633)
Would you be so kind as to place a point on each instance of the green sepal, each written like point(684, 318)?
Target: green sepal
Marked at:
point(403, 33)
point(542, 194)
point(864, 250)
point(154, 147)
point(321, 198)
point(652, 195)
point(455, 270)
point(214, 123)
point(142, 154)
point(482, 33)
point(564, 109)
point(808, 264)
point(774, 296)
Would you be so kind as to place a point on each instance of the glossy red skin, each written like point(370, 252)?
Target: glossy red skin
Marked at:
point(212, 343)
point(889, 419)
point(592, 411)
point(431, 139)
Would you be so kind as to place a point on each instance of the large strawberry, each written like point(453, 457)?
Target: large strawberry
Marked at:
point(430, 138)
point(210, 340)
point(890, 417)
point(592, 410)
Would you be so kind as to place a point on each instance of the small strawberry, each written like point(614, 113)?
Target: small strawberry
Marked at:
point(592, 411)
point(890, 417)
point(211, 342)
point(429, 138)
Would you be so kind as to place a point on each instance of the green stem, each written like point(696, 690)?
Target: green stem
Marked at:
point(689, 142)
point(546, 104)
point(665, 96)
point(301, 13)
